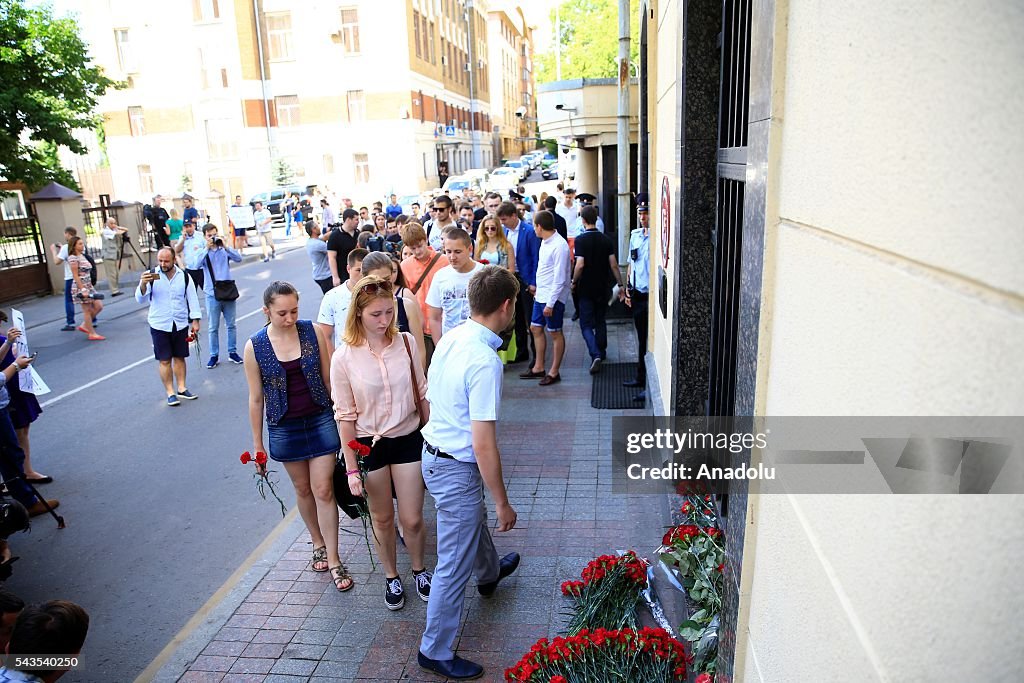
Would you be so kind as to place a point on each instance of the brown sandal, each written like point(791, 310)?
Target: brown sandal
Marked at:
point(340, 576)
point(319, 558)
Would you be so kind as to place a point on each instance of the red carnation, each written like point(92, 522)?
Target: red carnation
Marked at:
point(261, 458)
point(721, 568)
point(704, 678)
point(558, 679)
point(246, 457)
point(361, 450)
point(487, 263)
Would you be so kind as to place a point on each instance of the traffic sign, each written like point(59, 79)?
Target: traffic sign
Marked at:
point(449, 131)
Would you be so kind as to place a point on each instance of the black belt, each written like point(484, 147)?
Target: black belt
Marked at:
point(437, 452)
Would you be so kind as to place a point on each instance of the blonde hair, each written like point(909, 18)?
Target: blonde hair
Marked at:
point(482, 240)
point(354, 334)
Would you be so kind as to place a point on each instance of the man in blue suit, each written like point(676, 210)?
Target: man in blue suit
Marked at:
point(526, 246)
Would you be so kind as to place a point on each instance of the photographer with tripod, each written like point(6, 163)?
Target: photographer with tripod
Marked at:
point(112, 248)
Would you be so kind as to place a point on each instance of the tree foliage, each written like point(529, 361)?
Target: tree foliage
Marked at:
point(48, 89)
point(589, 37)
point(282, 172)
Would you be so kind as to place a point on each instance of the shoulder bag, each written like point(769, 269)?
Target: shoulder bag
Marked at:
point(423, 276)
point(223, 290)
point(415, 385)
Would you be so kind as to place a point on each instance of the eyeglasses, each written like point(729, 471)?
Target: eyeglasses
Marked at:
point(374, 288)
point(490, 228)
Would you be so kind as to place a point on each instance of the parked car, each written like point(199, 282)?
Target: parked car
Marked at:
point(503, 179)
point(457, 183)
point(551, 172)
point(547, 160)
point(273, 200)
point(522, 169)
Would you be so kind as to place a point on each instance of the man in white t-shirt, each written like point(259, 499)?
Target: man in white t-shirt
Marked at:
point(60, 256)
point(553, 286)
point(334, 307)
point(264, 230)
point(447, 302)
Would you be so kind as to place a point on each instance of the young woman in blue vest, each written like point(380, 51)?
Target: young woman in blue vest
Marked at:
point(288, 369)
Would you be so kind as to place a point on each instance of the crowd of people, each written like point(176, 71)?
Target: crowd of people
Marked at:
point(399, 376)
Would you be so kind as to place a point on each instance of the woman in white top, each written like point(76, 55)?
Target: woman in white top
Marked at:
point(492, 247)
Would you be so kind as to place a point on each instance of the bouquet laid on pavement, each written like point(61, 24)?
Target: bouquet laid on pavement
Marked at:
point(609, 594)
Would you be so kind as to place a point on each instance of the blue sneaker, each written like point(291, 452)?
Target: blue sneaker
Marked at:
point(172, 400)
point(214, 362)
point(235, 358)
point(187, 395)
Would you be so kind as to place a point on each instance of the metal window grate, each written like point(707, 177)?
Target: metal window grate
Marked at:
point(727, 239)
point(735, 95)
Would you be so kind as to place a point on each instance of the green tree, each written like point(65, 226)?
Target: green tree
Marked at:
point(589, 37)
point(282, 172)
point(48, 89)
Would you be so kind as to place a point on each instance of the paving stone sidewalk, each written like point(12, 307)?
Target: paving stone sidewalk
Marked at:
point(294, 626)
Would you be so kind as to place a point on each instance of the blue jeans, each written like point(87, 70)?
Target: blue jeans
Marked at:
point(12, 460)
point(69, 305)
point(593, 326)
point(287, 223)
point(215, 309)
point(464, 547)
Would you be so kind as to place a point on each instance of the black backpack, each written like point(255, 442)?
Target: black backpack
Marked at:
point(94, 273)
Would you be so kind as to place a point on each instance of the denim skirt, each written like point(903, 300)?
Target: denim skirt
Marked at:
point(302, 438)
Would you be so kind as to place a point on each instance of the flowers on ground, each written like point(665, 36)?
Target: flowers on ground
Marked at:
point(263, 479)
point(647, 654)
point(609, 594)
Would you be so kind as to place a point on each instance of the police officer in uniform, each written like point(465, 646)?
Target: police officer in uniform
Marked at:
point(638, 285)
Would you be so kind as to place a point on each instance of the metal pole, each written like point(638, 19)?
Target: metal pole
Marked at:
point(263, 83)
point(622, 153)
point(474, 134)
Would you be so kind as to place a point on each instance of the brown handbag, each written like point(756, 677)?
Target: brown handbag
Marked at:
point(415, 384)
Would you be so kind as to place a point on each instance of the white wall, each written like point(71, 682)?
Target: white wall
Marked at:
point(893, 286)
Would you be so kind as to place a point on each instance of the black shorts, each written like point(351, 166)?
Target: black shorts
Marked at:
point(239, 232)
point(168, 345)
point(393, 451)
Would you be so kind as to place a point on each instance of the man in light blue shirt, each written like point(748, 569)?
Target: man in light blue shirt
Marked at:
point(638, 287)
point(191, 247)
point(173, 307)
point(219, 257)
point(460, 456)
point(316, 248)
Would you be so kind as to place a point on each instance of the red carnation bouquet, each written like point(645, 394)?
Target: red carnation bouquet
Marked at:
point(609, 594)
point(263, 478)
point(647, 654)
point(361, 450)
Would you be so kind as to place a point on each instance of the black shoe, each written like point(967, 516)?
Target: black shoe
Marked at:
point(575, 317)
point(456, 668)
point(422, 580)
point(394, 594)
point(595, 366)
point(116, 294)
point(632, 383)
point(506, 566)
point(641, 397)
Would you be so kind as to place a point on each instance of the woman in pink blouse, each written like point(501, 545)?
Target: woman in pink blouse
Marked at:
point(379, 396)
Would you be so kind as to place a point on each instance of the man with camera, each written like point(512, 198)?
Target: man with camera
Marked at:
point(221, 292)
point(173, 308)
point(158, 217)
point(112, 246)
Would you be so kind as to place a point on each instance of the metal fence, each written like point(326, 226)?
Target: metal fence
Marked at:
point(21, 243)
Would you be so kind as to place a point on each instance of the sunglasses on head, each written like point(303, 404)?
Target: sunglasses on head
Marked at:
point(374, 287)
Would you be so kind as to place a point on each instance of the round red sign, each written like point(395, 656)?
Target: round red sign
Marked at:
point(666, 221)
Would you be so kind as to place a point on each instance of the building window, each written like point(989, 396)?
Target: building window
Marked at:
point(136, 121)
point(221, 141)
point(416, 33)
point(279, 35)
point(205, 10)
point(350, 30)
point(146, 180)
point(211, 77)
point(329, 164)
point(430, 37)
point(287, 107)
point(356, 101)
point(361, 168)
point(426, 33)
point(125, 57)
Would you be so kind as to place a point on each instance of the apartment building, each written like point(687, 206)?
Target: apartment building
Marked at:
point(363, 97)
point(512, 81)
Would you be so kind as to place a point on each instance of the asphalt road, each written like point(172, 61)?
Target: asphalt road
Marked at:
point(159, 509)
